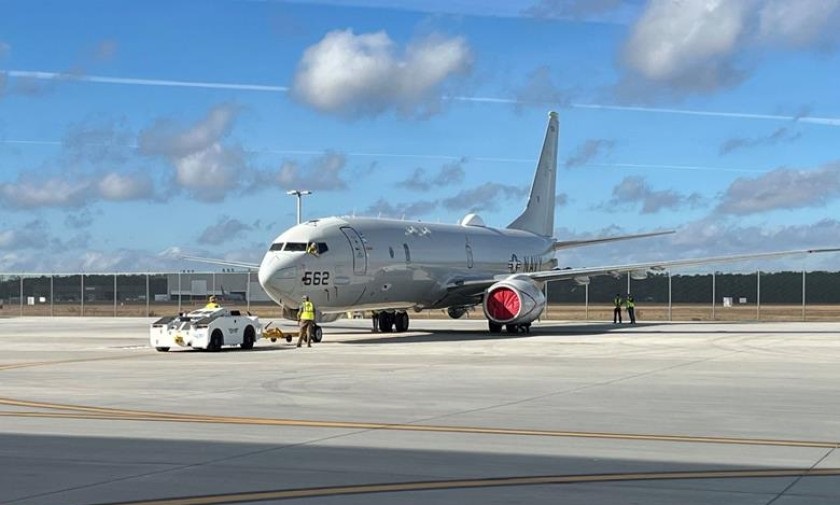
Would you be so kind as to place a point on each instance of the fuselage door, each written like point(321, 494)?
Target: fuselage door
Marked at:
point(357, 246)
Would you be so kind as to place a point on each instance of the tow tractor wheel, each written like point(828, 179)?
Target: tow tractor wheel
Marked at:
point(317, 334)
point(249, 338)
point(494, 327)
point(161, 349)
point(216, 341)
point(401, 321)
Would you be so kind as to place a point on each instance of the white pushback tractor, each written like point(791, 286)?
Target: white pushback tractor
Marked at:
point(206, 328)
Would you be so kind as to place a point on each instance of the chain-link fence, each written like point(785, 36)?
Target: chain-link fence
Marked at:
point(777, 296)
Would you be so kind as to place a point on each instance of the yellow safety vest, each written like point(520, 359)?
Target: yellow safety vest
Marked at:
point(617, 301)
point(307, 311)
point(630, 303)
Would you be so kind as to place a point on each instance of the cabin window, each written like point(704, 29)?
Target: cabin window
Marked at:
point(407, 253)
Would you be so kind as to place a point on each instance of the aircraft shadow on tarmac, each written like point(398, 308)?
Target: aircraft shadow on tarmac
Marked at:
point(560, 330)
point(574, 330)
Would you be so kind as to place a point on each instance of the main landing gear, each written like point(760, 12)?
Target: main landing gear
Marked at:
point(387, 322)
point(511, 328)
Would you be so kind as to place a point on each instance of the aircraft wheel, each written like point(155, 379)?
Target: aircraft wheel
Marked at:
point(494, 327)
point(162, 349)
point(386, 322)
point(317, 334)
point(401, 322)
point(513, 328)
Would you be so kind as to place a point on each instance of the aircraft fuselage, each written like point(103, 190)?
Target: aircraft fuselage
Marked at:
point(346, 264)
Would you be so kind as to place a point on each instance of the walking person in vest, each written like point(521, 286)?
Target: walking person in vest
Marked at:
point(617, 310)
point(631, 308)
point(306, 316)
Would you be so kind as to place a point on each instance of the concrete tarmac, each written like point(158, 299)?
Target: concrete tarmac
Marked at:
point(573, 413)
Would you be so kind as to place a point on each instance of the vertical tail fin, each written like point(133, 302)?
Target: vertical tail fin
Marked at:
point(538, 216)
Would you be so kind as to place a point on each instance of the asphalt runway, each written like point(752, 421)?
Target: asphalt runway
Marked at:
point(573, 413)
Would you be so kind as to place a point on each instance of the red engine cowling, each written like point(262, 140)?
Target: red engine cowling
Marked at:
point(515, 300)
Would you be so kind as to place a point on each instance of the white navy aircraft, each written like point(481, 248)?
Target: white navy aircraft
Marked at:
point(390, 267)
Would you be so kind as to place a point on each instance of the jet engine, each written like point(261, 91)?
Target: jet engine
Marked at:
point(638, 275)
point(515, 300)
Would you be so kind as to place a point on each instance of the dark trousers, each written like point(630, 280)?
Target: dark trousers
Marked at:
point(617, 315)
point(631, 313)
point(306, 327)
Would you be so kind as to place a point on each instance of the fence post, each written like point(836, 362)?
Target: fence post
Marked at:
point(52, 295)
point(115, 295)
point(758, 295)
point(248, 291)
point(21, 295)
point(82, 312)
point(713, 295)
point(586, 291)
point(803, 294)
point(148, 310)
point(670, 297)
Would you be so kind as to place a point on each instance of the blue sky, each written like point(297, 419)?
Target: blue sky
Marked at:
point(131, 132)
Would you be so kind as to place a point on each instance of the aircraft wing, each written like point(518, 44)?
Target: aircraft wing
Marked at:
point(477, 285)
point(224, 263)
point(565, 244)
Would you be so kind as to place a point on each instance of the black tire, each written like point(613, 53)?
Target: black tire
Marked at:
point(513, 328)
point(386, 322)
point(288, 338)
point(249, 338)
point(162, 349)
point(317, 334)
point(217, 340)
point(401, 322)
point(494, 327)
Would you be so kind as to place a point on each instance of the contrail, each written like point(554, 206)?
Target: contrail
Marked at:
point(437, 157)
point(825, 121)
point(143, 82)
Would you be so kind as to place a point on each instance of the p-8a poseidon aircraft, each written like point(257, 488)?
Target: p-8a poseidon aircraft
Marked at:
point(390, 267)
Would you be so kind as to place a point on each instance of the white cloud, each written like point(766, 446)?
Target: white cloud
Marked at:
point(30, 236)
point(484, 197)
point(71, 191)
point(634, 189)
point(364, 75)
point(211, 173)
point(695, 46)
point(322, 173)
point(116, 186)
point(49, 192)
point(410, 210)
point(589, 150)
point(225, 229)
point(165, 138)
point(687, 44)
point(799, 23)
point(782, 189)
point(448, 175)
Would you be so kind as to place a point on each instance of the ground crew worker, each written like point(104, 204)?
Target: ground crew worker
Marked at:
point(306, 316)
point(212, 303)
point(617, 310)
point(631, 308)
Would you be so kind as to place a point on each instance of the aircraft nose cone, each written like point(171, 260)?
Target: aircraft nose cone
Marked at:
point(276, 277)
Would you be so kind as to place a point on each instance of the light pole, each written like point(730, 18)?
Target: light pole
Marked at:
point(299, 193)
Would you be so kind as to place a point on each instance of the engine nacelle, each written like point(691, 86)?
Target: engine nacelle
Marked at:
point(638, 275)
point(456, 312)
point(515, 300)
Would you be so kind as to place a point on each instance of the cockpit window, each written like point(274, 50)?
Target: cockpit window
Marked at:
point(311, 247)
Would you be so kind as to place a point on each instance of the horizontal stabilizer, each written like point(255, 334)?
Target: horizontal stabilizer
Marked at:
point(566, 244)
